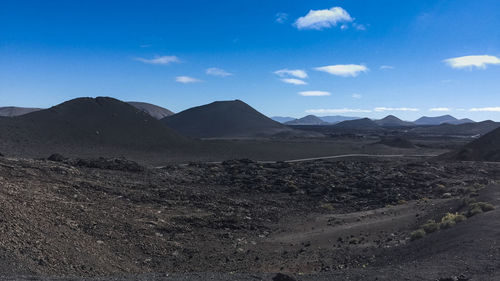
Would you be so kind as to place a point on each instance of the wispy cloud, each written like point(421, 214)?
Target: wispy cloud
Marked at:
point(381, 109)
point(298, 73)
point(159, 60)
point(344, 70)
point(386, 67)
point(281, 17)
point(359, 26)
point(487, 109)
point(480, 62)
point(187, 79)
point(319, 19)
point(356, 96)
point(294, 81)
point(214, 71)
point(314, 93)
point(337, 111)
point(440, 109)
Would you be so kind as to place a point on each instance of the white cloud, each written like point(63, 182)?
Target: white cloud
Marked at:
point(319, 19)
point(294, 81)
point(299, 73)
point(488, 109)
point(314, 93)
point(337, 111)
point(470, 62)
point(440, 109)
point(159, 60)
point(380, 109)
point(214, 71)
point(384, 67)
point(344, 70)
point(281, 17)
point(359, 26)
point(186, 79)
point(356, 96)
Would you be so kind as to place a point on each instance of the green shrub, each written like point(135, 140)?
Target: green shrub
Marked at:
point(430, 227)
point(449, 220)
point(417, 234)
point(478, 208)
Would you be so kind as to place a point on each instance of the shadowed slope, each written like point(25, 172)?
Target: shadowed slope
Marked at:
point(358, 124)
point(155, 111)
point(467, 129)
point(224, 119)
point(486, 148)
point(89, 122)
point(12, 111)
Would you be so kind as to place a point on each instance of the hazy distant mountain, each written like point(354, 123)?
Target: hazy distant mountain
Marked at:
point(435, 120)
point(462, 121)
point(358, 124)
point(225, 119)
point(155, 111)
point(282, 119)
point(307, 120)
point(467, 129)
point(393, 121)
point(12, 111)
point(89, 122)
point(337, 118)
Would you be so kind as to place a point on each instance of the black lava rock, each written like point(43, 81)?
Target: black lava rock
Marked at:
point(283, 277)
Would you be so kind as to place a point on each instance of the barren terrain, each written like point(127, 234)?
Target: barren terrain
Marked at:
point(313, 220)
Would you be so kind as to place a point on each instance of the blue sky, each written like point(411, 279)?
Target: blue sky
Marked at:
point(353, 57)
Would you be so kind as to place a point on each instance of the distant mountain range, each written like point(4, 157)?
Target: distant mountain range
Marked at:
point(327, 120)
point(438, 120)
point(393, 121)
point(307, 120)
point(388, 121)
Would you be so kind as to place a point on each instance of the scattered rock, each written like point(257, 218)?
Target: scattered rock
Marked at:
point(283, 277)
point(56, 157)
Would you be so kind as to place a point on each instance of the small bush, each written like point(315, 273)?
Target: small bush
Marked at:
point(430, 227)
point(417, 234)
point(449, 220)
point(327, 206)
point(478, 208)
point(474, 211)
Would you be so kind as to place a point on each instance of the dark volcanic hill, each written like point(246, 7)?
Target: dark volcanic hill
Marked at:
point(486, 148)
point(155, 111)
point(225, 119)
point(393, 121)
point(430, 121)
point(12, 111)
point(364, 124)
point(89, 122)
point(467, 129)
point(307, 120)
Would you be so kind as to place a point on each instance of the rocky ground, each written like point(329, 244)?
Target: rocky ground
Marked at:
point(311, 220)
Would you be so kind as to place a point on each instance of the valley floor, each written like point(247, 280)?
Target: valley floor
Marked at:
point(317, 220)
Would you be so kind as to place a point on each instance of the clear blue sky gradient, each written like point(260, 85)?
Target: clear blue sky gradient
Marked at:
point(52, 51)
